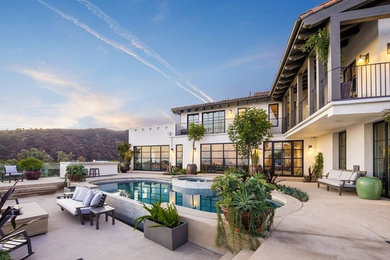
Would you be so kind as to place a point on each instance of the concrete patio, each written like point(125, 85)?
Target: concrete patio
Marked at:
point(329, 226)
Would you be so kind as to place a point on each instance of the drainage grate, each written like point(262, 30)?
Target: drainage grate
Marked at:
point(388, 242)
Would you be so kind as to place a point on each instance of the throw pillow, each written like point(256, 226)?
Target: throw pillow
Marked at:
point(354, 177)
point(76, 192)
point(82, 193)
point(96, 199)
point(88, 198)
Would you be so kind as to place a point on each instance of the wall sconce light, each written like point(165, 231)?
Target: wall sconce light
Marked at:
point(388, 48)
point(363, 59)
point(194, 149)
point(172, 149)
point(310, 148)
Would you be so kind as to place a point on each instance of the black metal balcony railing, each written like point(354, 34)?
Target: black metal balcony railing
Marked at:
point(366, 81)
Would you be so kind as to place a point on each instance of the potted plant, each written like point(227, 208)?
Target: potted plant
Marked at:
point(163, 225)
point(125, 154)
point(31, 168)
point(76, 172)
point(245, 208)
point(195, 133)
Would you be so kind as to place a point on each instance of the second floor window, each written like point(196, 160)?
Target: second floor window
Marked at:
point(241, 111)
point(194, 118)
point(214, 122)
point(273, 114)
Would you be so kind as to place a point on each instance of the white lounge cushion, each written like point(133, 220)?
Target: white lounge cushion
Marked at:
point(334, 174)
point(10, 169)
point(76, 192)
point(332, 182)
point(88, 198)
point(82, 193)
point(96, 199)
point(70, 205)
point(354, 177)
point(345, 175)
point(16, 173)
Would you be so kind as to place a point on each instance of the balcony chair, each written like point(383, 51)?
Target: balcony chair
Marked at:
point(10, 171)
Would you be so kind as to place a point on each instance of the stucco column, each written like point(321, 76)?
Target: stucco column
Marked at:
point(334, 63)
point(299, 97)
point(311, 84)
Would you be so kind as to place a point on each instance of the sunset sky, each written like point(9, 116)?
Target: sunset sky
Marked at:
point(125, 63)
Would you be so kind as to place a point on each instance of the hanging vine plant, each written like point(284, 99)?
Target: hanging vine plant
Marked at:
point(320, 42)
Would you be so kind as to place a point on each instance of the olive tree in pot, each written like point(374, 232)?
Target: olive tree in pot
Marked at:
point(195, 133)
point(249, 130)
point(125, 154)
point(31, 168)
point(76, 172)
point(163, 225)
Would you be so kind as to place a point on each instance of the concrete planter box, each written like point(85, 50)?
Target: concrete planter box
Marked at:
point(170, 238)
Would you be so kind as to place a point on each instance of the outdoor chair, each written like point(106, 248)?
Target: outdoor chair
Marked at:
point(14, 240)
point(81, 202)
point(340, 179)
point(10, 171)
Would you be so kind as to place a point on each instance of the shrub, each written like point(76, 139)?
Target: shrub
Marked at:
point(296, 193)
point(166, 217)
point(30, 164)
point(76, 172)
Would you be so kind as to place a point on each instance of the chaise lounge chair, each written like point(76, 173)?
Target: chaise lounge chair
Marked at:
point(10, 171)
point(340, 179)
point(81, 202)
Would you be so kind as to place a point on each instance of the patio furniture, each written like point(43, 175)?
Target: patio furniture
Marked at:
point(15, 240)
point(10, 171)
point(94, 172)
point(109, 211)
point(82, 201)
point(340, 179)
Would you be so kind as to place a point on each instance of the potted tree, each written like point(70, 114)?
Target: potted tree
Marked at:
point(31, 168)
point(163, 225)
point(125, 154)
point(76, 172)
point(195, 133)
point(249, 130)
point(245, 208)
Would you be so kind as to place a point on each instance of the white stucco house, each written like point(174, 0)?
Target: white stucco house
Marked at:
point(334, 108)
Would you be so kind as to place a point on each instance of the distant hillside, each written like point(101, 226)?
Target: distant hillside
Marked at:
point(93, 144)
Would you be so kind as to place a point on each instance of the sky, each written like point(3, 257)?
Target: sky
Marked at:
point(125, 63)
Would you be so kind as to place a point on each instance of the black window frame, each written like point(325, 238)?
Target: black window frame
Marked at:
point(188, 119)
point(176, 155)
point(343, 155)
point(277, 116)
point(141, 168)
point(385, 176)
point(213, 122)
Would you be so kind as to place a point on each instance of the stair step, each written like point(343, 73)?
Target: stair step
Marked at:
point(243, 254)
point(227, 256)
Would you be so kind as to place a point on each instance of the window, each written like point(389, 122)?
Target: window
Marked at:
point(343, 150)
point(151, 158)
point(179, 155)
point(284, 158)
point(382, 155)
point(194, 118)
point(214, 122)
point(273, 114)
point(219, 157)
point(241, 110)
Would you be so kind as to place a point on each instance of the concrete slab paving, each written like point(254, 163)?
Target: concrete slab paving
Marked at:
point(329, 226)
point(68, 239)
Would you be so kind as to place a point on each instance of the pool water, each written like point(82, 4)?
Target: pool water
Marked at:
point(149, 191)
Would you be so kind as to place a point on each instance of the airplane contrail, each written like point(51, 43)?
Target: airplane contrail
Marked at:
point(118, 29)
point(117, 46)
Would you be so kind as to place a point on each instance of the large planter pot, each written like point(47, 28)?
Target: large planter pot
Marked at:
point(74, 177)
point(170, 238)
point(32, 175)
point(245, 218)
point(369, 188)
point(191, 168)
point(124, 169)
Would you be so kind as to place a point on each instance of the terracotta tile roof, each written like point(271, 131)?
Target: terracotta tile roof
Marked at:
point(319, 8)
point(257, 95)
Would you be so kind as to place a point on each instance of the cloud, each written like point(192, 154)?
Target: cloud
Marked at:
point(249, 59)
point(137, 43)
point(118, 46)
point(80, 102)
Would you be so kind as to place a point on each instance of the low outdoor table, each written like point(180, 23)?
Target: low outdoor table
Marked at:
point(102, 210)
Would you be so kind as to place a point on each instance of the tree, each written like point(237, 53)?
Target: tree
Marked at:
point(81, 159)
point(387, 116)
point(34, 153)
point(249, 130)
point(125, 153)
point(195, 133)
point(64, 157)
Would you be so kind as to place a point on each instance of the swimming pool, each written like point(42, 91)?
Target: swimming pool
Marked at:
point(148, 191)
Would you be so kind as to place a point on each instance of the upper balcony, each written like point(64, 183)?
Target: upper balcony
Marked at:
point(221, 126)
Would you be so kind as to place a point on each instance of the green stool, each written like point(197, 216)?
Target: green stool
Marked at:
point(369, 188)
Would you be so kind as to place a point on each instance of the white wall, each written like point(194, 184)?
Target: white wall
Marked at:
point(324, 144)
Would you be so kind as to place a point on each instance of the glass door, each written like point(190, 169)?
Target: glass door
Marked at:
point(382, 155)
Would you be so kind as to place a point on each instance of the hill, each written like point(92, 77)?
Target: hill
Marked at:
point(93, 144)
